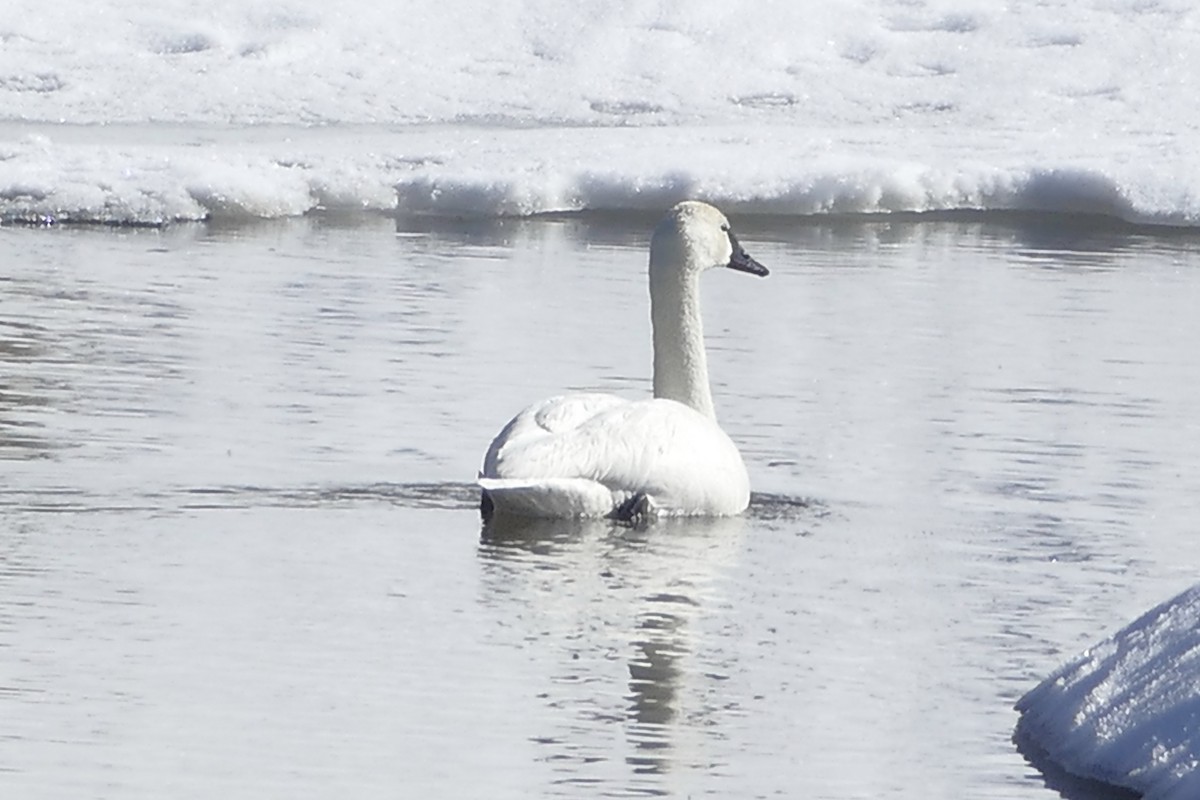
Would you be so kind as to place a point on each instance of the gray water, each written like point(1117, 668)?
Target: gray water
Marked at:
point(240, 556)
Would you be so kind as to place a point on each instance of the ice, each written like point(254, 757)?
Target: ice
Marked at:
point(1127, 711)
point(869, 106)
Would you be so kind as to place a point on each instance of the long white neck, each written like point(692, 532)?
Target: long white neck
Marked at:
point(680, 363)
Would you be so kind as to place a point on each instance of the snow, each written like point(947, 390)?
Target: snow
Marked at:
point(146, 113)
point(1127, 711)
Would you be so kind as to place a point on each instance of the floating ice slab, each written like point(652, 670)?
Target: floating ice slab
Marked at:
point(1127, 711)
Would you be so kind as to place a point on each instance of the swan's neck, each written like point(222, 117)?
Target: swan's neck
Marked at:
point(680, 363)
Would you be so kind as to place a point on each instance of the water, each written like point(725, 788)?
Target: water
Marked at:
point(239, 551)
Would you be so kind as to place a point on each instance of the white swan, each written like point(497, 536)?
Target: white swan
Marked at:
point(594, 455)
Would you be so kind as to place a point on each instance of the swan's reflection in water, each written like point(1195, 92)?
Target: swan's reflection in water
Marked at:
point(618, 615)
point(655, 673)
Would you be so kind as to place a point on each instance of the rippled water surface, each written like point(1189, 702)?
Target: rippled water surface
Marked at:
point(240, 557)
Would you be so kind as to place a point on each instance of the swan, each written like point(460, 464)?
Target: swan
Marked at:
point(598, 455)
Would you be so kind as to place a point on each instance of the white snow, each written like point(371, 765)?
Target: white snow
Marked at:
point(147, 112)
point(1127, 711)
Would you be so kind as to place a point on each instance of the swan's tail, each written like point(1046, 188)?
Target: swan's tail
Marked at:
point(546, 497)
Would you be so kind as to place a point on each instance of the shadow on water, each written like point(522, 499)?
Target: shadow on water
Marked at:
point(429, 496)
point(444, 496)
point(1068, 786)
point(21, 433)
point(1073, 241)
point(626, 231)
point(455, 496)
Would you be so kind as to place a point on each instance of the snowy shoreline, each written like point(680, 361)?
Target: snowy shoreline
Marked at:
point(155, 175)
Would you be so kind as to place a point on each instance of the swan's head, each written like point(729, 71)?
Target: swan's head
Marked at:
point(693, 237)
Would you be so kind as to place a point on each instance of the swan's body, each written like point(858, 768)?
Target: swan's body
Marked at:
point(599, 455)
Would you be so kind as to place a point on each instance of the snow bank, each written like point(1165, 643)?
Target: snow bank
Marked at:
point(131, 111)
point(153, 175)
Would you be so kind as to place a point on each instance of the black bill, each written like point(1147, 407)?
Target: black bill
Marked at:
point(742, 261)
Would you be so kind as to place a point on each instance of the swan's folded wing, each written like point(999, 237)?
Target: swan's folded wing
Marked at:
point(568, 411)
point(539, 421)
